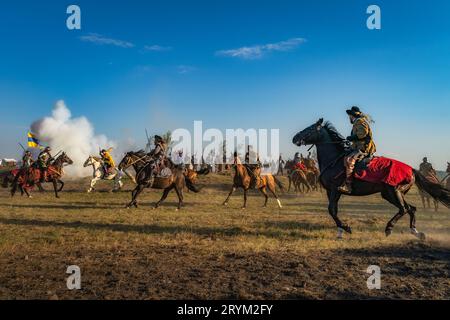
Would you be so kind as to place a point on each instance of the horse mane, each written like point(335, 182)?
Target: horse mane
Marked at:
point(334, 134)
point(139, 153)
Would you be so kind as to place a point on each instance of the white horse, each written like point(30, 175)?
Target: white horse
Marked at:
point(98, 173)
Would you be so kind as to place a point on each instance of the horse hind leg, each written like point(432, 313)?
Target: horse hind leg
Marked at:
point(272, 190)
point(395, 197)
point(412, 221)
point(263, 191)
point(164, 196)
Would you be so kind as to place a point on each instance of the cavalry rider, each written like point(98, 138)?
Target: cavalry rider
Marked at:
point(108, 161)
point(427, 170)
point(27, 160)
point(159, 152)
point(43, 161)
point(297, 158)
point(362, 145)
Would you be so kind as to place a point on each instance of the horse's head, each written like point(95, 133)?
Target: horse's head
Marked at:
point(64, 159)
point(126, 161)
point(310, 135)
point(88, 162)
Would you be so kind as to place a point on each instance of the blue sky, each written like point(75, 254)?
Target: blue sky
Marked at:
point(163, 64)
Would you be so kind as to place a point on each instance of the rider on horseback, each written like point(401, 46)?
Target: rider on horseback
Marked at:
point(158, 153)
point(43, 161)
point(27, 160)
point(108, 162)
point(362, 145)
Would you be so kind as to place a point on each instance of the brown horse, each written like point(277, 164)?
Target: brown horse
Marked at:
point(245, 178)
point(145, 167)
point(26, 179)
point(297, 177)
point(312, 174)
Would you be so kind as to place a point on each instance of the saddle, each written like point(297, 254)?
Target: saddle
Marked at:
point(363, 164)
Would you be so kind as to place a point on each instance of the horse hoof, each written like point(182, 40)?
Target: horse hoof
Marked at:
point(225, 204)
point(388, 232)
point(421, 236)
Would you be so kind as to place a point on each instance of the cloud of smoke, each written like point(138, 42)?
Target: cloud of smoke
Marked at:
point(75, 136)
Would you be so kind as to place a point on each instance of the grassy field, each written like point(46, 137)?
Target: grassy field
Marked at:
point(213, 252)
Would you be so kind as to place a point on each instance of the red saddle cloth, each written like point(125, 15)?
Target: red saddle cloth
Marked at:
point(389, 171)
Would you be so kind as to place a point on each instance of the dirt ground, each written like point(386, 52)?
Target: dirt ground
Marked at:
point(207, 251)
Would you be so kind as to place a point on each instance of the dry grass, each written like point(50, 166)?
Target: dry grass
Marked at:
point(209, 251)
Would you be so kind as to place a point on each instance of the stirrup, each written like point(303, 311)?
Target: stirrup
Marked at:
point(345, 188)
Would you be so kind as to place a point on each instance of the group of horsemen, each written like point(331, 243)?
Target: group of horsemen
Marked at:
point(362, 146)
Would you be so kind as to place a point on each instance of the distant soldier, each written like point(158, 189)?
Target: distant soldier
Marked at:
point(297, 158)
point(43, 161)
point(281, 163)
point(179, 159)
point(362, 145)
point(428, 171)
point(108, 162)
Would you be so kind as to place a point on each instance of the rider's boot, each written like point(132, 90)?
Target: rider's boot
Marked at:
point(346, 187)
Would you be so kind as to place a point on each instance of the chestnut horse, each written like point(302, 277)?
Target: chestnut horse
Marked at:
point(245, 178)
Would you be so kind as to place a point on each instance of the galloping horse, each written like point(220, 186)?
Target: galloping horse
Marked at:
point(331, 149)
point(244, 178)
point(144, 166)
point(99, 174)
point(26, 179)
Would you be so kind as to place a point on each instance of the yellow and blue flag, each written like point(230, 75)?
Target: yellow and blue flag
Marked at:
point(33, 142)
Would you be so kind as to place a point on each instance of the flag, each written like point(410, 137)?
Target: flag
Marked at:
point(33, 142)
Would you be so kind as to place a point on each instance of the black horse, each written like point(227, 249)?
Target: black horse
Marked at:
point(144, 166)
point(331, 149)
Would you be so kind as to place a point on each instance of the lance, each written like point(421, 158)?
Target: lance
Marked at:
point(22, 146)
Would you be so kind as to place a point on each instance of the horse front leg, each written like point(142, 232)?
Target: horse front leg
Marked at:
point(134, 195)
point(333, 199)
point(93, 183)
point(233, 189)
point(55, 188)
point(62, 185)
point(245, 199)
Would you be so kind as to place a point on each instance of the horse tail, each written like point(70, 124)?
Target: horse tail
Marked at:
point(279, 183)
point(435, 190)
point(190, 185)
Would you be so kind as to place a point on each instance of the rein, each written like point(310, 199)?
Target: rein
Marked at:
point(135, 161)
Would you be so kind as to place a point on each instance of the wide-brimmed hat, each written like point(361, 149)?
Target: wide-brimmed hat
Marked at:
point(354, 111)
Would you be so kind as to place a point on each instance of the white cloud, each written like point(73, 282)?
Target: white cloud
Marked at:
point(258, 51)
point(158, 48)
point(101, 40)
point(182, 69)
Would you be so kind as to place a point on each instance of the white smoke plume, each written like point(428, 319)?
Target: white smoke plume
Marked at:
point(75, 136)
